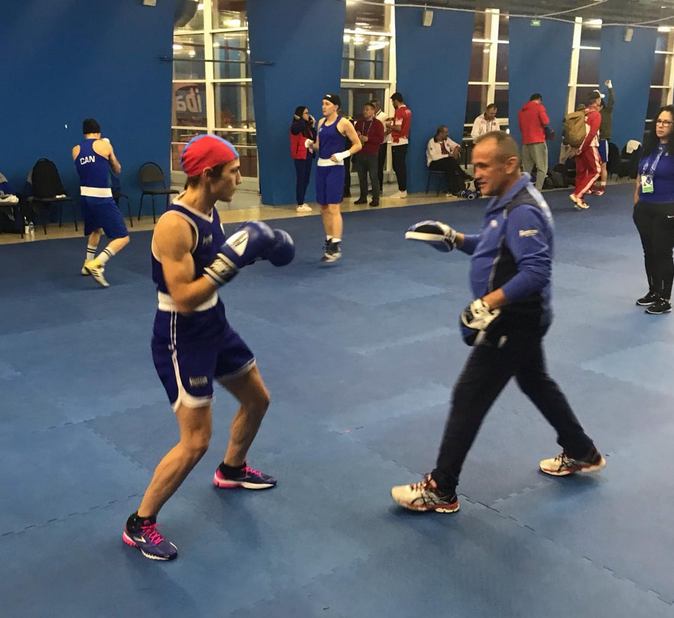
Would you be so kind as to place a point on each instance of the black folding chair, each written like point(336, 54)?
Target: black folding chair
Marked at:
point(153, 183)
point(46, 189)
point(438, 175)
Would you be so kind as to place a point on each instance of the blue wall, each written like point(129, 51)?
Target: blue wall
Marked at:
point(539, 61)
point(68, 60)
point(630, 67)
point(304, 41)
point(432, 65)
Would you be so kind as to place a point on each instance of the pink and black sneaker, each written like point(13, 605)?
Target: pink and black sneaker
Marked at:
point(246, 477)
point(148, 540)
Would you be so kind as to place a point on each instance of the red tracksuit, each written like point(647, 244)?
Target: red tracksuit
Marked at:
point(588, 162)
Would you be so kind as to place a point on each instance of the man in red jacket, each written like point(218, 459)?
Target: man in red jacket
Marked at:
point(371, 134)
point(588, 161)
point(400, 132)
point(532, 120)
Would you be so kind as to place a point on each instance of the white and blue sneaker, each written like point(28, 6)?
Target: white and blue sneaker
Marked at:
point(424, 497)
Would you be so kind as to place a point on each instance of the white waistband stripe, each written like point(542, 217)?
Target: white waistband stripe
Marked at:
point(95, 192)
point(166, 303)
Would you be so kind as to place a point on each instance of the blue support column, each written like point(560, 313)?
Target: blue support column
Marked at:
point(629, 65)
point(432, 74)
point(296, 54)
point(539, 61)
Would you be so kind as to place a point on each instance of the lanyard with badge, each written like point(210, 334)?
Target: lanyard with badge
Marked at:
point(648, 170)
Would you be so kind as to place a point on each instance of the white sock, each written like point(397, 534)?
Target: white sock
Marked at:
point(91, 252)
point(328, 238)
point(336, 240)
point(105, 255)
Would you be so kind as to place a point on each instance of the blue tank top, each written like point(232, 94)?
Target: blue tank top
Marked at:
point(330, 140)
point(208, 238)
point(93, 169)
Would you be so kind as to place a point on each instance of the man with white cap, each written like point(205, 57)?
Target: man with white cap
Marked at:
point(588, 161)
point(193, 344)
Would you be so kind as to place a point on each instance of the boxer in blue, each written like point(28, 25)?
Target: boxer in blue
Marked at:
point(330, 171)
point(94, 158)
point(193, 343)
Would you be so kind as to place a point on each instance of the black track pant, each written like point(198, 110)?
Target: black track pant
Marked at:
point(400, 165)
point(655, 223)
point(486, 373)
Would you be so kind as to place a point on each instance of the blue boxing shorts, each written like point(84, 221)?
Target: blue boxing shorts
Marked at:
point(188, 363)
point(329, 184)
point(103, 212)
point(603, 150)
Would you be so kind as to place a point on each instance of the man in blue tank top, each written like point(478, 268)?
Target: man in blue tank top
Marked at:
point(94, 158)
point(330, 171)
point(193, 344)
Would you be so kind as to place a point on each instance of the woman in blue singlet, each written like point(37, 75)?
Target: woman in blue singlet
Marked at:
point(330, 171)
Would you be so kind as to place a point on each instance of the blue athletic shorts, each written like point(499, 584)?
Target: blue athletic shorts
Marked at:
point(102, 212)
point(603, 150)
point(187, 366)
point(329, 184)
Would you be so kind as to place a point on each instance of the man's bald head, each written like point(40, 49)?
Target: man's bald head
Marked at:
point(496, 163)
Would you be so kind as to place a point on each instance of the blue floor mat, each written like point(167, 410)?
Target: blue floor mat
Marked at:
point(361, 358)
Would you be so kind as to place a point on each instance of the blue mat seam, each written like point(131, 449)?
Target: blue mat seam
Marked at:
point(566, 549)
point(68, 516)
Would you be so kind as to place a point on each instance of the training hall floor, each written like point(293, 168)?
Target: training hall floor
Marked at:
point(360, 358)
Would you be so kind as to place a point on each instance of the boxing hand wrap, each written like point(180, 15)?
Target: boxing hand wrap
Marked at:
point(340, 156)
point(439, 235)
point(221, 270)
point(476, 320)
point(252, 241)
point(309, 143)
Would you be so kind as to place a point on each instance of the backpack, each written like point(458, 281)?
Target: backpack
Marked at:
point(46, 180)
point(562, 170)
point(558, 180)
point(575, 128)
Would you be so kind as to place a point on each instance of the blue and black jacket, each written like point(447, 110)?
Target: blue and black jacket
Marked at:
point(513, 251)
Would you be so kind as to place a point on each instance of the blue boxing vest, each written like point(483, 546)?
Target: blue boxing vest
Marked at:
point(93, 169)
point(209, 318)
point(330, 140)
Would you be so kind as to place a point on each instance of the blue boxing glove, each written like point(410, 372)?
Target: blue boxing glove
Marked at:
point(477, 323)
point(251, 241)
point(439, 235)
point(283, 251)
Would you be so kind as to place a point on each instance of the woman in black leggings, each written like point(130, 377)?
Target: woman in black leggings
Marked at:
point(654, 212)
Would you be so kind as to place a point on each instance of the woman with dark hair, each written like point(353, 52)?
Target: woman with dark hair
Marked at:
point(301, 129)
point(654, 212)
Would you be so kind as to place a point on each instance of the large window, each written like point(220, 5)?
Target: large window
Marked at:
point(585, 52)
point(662, 80)
point(212, 87)
point(488, 75)
point(367, 56)
point(212, 84)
